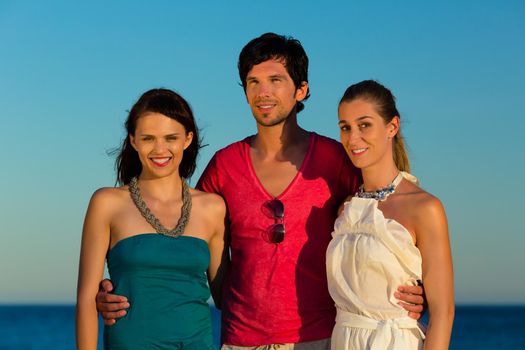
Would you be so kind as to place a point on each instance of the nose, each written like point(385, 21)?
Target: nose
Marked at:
point(160, 146)
point(352, 136)
point(263, 89)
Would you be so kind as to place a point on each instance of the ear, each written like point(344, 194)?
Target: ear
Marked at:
point(393, 127)
point(189, 139)
point(301, 91)
point(132, 141)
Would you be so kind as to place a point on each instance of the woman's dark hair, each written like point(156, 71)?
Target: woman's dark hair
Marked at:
point(385, 104)
point(170, 104)
point(273, 46)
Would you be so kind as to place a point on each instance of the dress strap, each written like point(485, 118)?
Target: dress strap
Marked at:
point(409, 177)
point(398, 179)
point(387, 332)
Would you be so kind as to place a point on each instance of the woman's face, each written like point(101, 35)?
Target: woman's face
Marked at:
point(364, 134)
point(160, 142)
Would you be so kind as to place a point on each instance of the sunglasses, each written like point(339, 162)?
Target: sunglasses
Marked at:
point(275, 210)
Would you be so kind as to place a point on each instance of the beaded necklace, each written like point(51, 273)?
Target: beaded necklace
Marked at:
point(178, 230)
point(382, 193)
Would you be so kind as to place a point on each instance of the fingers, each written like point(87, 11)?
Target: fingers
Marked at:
point(106, 286)
point(109, 322)
point(112, 307)
point(414, 315)
point(411, 307)
point(410, 298)
point(112, 311)
point(110, 317)
point(103, 297)
point(418, 290)
point(414, 311)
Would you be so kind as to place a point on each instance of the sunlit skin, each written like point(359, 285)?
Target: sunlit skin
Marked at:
point(112, 216)
point(271, 93)
point(280, 145)
point(160, 142)
point(368, 142)
point(276, 153)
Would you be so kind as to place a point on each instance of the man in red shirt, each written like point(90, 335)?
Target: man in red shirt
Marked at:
point(282, 187)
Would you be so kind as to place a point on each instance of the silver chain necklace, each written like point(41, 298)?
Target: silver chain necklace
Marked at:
point(382, 193)
point(178, 230)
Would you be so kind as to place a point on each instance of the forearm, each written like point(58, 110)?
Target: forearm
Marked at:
point(439, 328)
point(87, 325)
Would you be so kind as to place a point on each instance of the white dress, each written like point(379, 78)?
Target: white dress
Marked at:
point(368, 258)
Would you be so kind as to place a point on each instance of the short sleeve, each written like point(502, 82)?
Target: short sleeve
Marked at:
point(210, 179)
point(350, 177)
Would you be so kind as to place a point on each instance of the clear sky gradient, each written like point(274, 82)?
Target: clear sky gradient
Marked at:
point(69, 71)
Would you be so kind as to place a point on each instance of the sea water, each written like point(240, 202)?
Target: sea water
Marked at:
point(53, 327)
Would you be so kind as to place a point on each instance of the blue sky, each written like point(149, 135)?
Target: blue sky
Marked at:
point(70, 71)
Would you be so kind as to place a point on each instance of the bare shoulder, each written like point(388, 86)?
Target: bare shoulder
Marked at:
point(427, 210)
point(109, 197)
point(428, 205)
point(211, 203)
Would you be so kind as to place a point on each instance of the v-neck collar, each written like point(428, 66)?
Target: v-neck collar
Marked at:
point(258, 182)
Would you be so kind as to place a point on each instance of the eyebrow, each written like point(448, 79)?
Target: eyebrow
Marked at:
point(358, 119)
point(282, 76)
point(167, 135)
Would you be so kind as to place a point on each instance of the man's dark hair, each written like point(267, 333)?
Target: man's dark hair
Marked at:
point(279, 47)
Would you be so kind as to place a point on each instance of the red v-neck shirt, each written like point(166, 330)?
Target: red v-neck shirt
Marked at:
point(277, 293)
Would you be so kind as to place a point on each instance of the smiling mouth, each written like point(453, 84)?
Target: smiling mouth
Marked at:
point(265, 105)
point(161, 161)
point(358, 151)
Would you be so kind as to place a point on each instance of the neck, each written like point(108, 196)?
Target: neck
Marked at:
point(162, 188)
point(377, 177)
point(277, 139)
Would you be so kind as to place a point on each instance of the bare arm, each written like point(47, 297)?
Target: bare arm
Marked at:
point(95, 242)
point(219, 255)
point(433, 242)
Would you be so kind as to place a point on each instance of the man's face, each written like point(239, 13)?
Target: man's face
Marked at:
point(271, 92)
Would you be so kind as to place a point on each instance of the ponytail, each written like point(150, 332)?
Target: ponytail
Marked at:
point(400, 153)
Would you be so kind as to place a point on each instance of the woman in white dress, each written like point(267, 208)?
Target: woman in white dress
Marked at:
point(388, 234)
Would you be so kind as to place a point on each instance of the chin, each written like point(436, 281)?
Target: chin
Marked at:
point(161, 173)
point(269, 121)
point(358, 163)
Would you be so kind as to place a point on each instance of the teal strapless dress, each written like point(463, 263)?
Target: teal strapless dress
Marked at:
point(164, 279)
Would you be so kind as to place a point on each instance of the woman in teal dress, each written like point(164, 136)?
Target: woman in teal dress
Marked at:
point(163, 240)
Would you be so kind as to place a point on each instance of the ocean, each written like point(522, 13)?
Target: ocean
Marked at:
point(42, 327)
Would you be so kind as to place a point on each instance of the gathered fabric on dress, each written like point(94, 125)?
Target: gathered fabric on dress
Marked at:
point(368, 258)
point(164, 279)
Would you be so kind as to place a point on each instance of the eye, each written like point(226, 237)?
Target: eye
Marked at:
point(276, 80)
point(171, 138)
point(344, 127)
point(146, 138)
point(364, 125)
